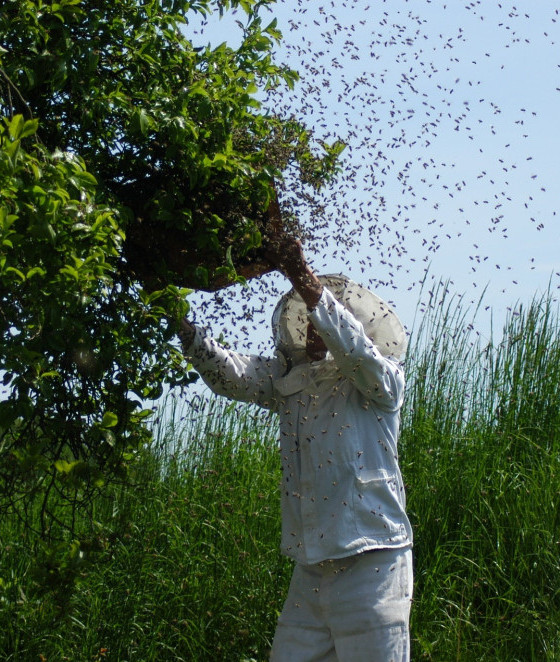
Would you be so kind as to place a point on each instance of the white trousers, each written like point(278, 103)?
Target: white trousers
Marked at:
point(349, 610)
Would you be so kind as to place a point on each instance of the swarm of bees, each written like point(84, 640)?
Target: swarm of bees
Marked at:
point(439, 105)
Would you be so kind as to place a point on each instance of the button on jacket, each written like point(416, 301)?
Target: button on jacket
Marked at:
point(341, 492)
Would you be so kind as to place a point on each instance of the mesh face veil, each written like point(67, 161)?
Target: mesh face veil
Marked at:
point(381, 324)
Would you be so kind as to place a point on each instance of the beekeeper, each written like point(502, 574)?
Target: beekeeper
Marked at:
point(338, 387)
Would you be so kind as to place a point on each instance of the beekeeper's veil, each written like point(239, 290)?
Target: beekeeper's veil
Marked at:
point(381, 324)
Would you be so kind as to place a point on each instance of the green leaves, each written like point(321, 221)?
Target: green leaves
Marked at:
point(133, 163)
point(109, 420)
point(19, 128)
point(12, 133)
point(246, 5)
point(141, 122)
point(172, 130)
point(77, 341)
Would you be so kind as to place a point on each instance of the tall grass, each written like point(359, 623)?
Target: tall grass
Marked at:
point(481, 454)
point(189, 568)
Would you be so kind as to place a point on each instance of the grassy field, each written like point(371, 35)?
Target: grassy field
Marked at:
point(187, 564)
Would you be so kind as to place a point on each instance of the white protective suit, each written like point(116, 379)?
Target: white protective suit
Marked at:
point(342, 492)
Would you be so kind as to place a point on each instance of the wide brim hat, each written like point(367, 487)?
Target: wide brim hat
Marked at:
point(380, 322)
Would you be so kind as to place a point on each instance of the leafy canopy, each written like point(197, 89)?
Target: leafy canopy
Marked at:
point(132, 163)
point(173, 131)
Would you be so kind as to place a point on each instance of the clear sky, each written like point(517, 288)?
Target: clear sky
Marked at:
point(450, 112)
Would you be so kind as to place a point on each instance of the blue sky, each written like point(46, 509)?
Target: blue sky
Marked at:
point(450, 113)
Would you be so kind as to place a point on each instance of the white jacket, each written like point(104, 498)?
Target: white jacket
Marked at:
point(342, 492)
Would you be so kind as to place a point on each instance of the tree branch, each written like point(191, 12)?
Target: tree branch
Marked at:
point(13, 86)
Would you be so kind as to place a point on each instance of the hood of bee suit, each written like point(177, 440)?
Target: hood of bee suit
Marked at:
point(381, 324)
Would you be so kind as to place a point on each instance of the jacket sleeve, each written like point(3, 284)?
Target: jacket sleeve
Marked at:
point(378, 378)
point(241, 377)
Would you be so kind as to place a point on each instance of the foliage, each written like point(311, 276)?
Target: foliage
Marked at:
point(127, 154)
point(190, 569)
point(79, 351)
point(481, 457)
point(171, 130)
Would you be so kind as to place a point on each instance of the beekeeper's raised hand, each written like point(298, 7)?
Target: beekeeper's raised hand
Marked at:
point(285, 253)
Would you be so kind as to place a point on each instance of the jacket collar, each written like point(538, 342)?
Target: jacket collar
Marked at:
point(310, 378)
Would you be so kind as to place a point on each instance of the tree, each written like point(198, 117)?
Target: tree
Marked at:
point(133, 164)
